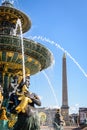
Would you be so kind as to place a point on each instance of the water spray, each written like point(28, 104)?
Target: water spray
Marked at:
point(62, 49)
point(11, 1)
point(51, 87)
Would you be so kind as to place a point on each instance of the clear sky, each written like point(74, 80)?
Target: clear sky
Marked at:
point(65, 23)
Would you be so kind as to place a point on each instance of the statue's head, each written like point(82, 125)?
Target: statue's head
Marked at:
point(27, 81)
point(58, 111)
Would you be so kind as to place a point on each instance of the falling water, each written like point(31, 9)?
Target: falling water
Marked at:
point(51, 87)
point(21, 36)
point(62, 49)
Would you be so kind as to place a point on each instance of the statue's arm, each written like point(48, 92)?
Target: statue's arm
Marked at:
point(36, 99)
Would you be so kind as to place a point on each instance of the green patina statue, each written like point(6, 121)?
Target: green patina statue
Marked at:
point(22, 103)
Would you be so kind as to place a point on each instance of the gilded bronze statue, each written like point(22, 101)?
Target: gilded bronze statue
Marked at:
point(22, 103)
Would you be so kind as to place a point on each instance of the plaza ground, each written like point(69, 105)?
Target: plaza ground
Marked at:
point(65, 128)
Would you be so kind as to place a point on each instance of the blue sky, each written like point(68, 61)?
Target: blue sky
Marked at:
point(65, 23)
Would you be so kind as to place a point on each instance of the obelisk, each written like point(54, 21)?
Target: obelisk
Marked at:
point(64, 107)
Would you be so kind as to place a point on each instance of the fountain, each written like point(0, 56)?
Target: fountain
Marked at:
point(14, 75)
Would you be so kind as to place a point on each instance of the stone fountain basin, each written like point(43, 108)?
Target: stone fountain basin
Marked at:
point(37, 57)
